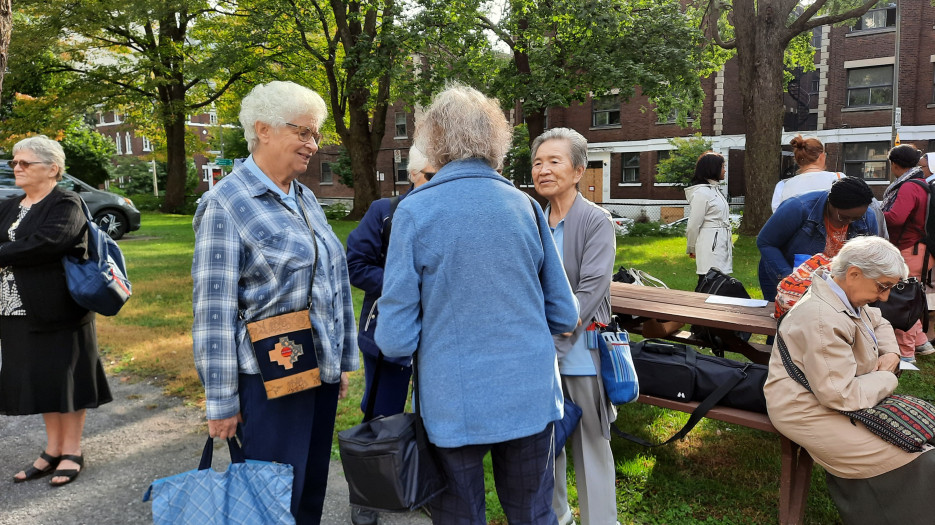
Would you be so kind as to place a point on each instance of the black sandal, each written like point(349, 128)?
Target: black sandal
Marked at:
point(71, 473)
point(34, 473)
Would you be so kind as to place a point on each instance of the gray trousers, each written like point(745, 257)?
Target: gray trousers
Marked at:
point(594, 464)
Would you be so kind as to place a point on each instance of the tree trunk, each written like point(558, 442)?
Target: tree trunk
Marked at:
point(760, 56)
point(535, 123)
point(177, 170)
point(362, 143)
point(6, 26)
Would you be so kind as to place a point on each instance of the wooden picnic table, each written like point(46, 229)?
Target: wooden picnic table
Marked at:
point(664, 304)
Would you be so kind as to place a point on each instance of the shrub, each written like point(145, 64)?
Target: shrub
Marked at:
point(655, 229)
point(146, 201)
point(336, 211)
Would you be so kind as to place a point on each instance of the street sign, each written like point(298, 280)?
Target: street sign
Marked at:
point(224, 162)
point(898, 118)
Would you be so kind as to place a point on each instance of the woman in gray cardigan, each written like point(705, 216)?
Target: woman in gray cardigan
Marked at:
point(584, 235)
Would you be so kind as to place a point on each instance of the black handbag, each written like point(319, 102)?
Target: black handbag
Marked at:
point(905, 305)
point(389, 464)
point(678, 372)
point(716, 282)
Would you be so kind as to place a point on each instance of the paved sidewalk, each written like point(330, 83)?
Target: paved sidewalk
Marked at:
point(138, 438)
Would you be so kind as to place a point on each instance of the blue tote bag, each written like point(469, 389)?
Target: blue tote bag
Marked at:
point(247, 493)
point(617, 371)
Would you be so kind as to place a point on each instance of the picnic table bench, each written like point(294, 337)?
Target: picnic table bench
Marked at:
point(796, 462)
point(645, 302)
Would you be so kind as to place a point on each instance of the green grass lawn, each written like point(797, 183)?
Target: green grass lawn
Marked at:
point(720, 473)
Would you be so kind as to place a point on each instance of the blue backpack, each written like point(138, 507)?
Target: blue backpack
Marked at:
point(100, 283)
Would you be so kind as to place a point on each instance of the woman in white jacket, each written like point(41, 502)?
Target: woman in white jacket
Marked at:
point(708, 231)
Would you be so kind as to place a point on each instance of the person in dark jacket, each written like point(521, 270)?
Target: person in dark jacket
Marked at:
point(366, 256)
point(814, 222)
point(48, 342)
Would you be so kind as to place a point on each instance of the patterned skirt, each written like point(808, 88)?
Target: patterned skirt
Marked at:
point(49, 371)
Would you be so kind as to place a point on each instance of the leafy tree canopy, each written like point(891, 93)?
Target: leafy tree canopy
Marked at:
point(517, 166)
point(88, 154)
point(679, 167)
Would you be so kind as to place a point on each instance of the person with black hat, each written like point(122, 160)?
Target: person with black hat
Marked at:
point(814, 222)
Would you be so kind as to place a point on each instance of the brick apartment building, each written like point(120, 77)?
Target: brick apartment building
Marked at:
point(847, 102)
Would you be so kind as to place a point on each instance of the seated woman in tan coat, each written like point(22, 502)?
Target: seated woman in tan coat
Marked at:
point(850, 357)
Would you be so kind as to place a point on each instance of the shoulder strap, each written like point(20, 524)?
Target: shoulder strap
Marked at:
point(388, 226)
point(709, 402)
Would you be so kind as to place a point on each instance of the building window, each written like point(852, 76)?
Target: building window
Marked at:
point(147, 145)
point(882, 15)
point(866, 160)
point(605, 111)
point(129, 143)
point(631, 167)
point(401, 131)
point(327, 176)
point(870, 86)
point(816, 37)
point(213, 118)
point(402, 171)
point(119, 144)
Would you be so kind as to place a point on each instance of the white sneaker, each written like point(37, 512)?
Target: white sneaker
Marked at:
point(910, 360)
point(925, 349)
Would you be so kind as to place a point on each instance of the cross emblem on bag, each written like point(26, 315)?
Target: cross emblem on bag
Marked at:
point(286, 352)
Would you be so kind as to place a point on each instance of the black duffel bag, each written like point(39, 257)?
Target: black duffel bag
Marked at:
point(716, 282)
point(678, 372)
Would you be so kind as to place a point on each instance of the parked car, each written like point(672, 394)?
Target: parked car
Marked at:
point(733, 218)
point(115, 214)
point(621, 224)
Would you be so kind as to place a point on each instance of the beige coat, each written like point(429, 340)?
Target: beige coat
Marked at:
point(838, 355)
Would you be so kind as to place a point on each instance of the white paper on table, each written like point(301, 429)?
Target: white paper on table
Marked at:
point(906, 365)
point(736, 301)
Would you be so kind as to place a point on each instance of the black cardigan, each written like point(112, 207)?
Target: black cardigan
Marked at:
point(54, 227)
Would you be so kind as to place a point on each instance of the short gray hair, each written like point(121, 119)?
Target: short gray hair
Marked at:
point(277, 102)
point(463, 123)
point(46, 149)
point(577, 145)
point(417, 160)
point(874, 256)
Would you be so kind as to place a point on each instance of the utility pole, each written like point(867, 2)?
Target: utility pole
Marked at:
point(896, 113)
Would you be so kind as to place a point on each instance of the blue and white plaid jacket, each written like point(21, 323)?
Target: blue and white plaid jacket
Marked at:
point(253, 259)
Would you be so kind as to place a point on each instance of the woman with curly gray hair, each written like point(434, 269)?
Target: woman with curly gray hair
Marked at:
point(473, 280)
point(263, 248)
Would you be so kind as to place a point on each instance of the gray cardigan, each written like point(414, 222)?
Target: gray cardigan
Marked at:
point(589, 250)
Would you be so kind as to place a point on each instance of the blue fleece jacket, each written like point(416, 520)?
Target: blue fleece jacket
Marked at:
point(798, 226)
point(478, 289)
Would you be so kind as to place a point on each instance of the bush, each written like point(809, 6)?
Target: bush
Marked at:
point(146, 201)
point(336, 211)
point(656, 229)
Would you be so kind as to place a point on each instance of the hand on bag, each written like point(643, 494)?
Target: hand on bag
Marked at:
point(342, 391)
point(691, 255)
point(224, 428)
point(888, 362)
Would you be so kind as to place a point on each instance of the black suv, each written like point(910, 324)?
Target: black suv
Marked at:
point(115, 215)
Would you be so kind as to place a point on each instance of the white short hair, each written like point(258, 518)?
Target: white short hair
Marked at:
point(577, 145)
point(463, 123)
point(46, 149)
point(417, 160)
point(277, 102)
point(874, 256)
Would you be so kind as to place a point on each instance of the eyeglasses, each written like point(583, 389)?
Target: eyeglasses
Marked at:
point(25, 163)
point(428, 174)
point(885, 287)
point(305, 133)
point(845, 219)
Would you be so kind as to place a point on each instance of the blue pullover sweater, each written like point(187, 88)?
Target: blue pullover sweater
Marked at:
point(474, 282)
